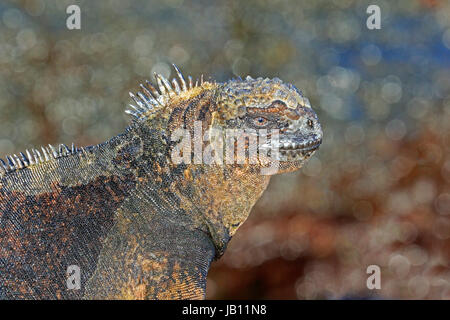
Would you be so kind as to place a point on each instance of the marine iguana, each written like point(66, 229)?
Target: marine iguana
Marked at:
point(137, 224)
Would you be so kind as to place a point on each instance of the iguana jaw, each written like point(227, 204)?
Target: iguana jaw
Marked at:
point(295, 151)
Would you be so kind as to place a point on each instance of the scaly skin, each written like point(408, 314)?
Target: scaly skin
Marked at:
point(139, 225)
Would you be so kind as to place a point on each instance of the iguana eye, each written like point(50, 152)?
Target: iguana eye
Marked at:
point(260, 121)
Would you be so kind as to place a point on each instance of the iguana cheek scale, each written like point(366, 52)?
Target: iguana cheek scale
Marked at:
point(138, 225)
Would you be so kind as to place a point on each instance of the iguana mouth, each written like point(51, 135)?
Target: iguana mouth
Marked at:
point(293, 148)
point(298, 147)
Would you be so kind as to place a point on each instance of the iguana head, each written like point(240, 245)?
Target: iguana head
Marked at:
point(269, 106)
point(194, 122)
point(252, 108)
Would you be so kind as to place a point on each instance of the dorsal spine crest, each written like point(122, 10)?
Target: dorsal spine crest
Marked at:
point(35, 157)
point(151, 99)
point(148, 100)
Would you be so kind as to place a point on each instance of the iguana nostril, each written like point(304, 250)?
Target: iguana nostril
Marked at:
point(310, 123)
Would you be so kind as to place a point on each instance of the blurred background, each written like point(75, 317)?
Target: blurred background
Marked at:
point(377, 191)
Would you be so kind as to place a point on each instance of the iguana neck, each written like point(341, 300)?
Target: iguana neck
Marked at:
point(216, 199)
point(220, 198)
